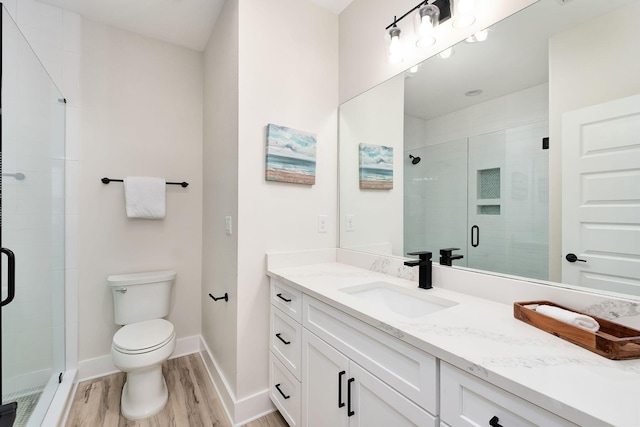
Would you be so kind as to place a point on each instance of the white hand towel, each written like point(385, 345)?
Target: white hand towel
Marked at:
point(566, 316)
point(145, 197)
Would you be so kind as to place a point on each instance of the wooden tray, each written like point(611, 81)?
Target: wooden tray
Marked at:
point(612, 341)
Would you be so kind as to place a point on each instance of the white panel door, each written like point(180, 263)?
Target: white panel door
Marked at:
point(601, 196)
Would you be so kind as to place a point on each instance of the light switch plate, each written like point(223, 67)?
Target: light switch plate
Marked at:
point(227, 225)
point(322, 223)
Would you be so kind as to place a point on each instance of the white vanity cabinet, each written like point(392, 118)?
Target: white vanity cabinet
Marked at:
point(468, 401)
point(356, 375)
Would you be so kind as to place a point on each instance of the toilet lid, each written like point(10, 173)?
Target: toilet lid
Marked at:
point(143, 336)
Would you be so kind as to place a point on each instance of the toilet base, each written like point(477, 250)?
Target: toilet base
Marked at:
point(144, 393)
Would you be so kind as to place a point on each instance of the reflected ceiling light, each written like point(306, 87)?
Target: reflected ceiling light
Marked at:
point(463, 16)
point(447, 53)
point(414, 69)
point(480, 36)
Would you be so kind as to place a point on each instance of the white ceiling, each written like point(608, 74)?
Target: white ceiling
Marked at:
point(514, 57)
point(186, 23)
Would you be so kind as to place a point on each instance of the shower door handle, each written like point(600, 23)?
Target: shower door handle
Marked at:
point(475, 236)
point(11, 276)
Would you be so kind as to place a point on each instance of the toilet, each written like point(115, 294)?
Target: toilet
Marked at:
point(140, 302)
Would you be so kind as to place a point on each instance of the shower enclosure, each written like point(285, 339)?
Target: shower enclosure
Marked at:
point(32, 218)
point(486, 195)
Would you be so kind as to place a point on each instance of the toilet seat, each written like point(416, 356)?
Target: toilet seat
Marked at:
point(143, 337)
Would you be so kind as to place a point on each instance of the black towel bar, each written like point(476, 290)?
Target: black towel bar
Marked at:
point(108, 180)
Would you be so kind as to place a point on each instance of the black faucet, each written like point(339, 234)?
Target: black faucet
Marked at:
point(424, 264)
point(446, 258)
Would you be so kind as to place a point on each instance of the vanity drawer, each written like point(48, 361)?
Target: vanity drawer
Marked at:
point(407, 369)
point(284, 391)
point(466, 400)
point(285, 340)
point(287, 299)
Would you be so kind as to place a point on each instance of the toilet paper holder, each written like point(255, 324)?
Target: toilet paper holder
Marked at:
point(225, 297)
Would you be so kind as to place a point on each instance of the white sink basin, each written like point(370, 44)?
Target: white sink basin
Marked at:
point(401, 301)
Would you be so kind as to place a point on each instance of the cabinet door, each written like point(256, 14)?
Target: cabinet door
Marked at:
point(375, 404)
point(324, 383)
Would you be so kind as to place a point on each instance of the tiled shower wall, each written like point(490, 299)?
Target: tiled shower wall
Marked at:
point(54, 35)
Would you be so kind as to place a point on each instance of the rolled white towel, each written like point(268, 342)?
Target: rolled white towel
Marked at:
point(580, 320)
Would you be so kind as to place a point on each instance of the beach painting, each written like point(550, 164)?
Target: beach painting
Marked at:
point(376, 167)
point(291, 155)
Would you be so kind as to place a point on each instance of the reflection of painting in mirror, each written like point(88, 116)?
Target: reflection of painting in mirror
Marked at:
point(291, 155)
point(376, 167)
point(548, 62)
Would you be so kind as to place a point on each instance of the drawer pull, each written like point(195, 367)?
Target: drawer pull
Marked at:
point(340, 402)
point(282, 339)
point(494, 422)
point(283, 298)
point(283, 395)
point(349, 411)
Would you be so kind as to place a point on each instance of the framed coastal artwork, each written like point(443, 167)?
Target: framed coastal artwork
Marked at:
point(291, 155)
point(376, 167)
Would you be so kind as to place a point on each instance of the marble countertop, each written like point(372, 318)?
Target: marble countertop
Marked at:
point(482, 337)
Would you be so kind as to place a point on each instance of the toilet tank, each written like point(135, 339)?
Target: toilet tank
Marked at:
point(141, 296)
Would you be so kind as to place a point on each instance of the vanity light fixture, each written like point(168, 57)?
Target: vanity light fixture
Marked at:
point(429, 14)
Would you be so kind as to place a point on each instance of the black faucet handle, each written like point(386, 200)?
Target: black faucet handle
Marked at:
point(423, 255)
point(447, 251)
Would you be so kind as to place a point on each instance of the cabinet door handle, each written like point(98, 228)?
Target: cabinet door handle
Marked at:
point(494, 422)
point(349, 411)
point(340, 402)
point(283, 395)
point(283, 298)
point(282, 339)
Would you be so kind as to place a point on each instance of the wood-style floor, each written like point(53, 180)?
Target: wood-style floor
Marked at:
point(193, 401)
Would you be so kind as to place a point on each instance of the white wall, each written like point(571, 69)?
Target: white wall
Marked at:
point(142, 115)
point(375, 117)
point(220, 193)
point(288, 58)
point(363, 56)
point(609, 67)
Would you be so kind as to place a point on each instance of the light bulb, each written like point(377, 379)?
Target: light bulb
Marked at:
point(480, 36)
point(395, 46)
point(464, 13)
point(427, 19)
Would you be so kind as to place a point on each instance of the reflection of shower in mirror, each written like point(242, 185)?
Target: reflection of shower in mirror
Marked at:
point(414, 160)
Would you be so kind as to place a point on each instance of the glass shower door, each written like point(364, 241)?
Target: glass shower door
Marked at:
point(31, 228)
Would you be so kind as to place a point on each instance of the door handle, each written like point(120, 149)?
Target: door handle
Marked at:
point(349, 411)
point(282, 339)
point(574, 258)
point(475, 242)
point(11, 276)
point(281, 392)
point(283, 298)
point(340, 402)
point(495, 422)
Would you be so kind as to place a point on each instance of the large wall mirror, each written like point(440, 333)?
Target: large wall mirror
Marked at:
point(522, 150)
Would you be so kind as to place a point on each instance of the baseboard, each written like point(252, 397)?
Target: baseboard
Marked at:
point(240, 411)
point(100, 366)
